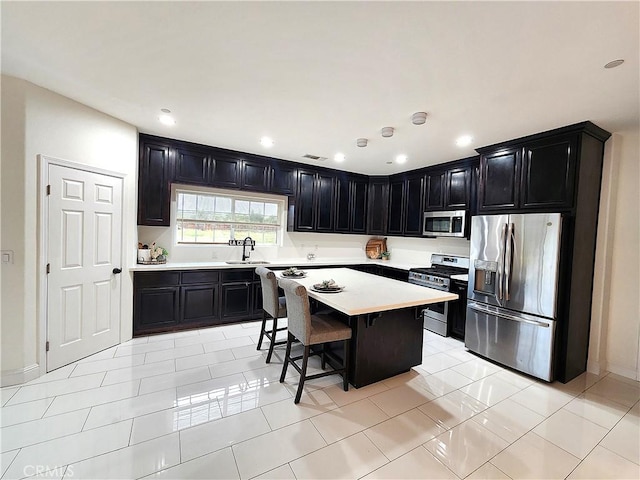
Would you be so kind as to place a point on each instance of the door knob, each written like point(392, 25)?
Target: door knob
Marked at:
point(117, 270)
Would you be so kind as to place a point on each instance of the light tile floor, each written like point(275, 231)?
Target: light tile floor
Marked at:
point(203, 404)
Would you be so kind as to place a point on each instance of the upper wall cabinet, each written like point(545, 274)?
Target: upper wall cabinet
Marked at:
point(256, 175)
point(450, 188)
point(154, 183)
point(314, 202)
point(377, 204)
point(192, 166)
point(536, 173)
point(226, 170)
point(351, 203)
point(414, 200)
point(283, 178)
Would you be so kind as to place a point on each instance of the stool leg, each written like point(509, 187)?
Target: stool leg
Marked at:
point(303, 375)
point(264, 324)
point(345, 375)
point(273, 339)
point(287, 356)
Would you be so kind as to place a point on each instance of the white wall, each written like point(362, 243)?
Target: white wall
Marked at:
point(37, 121)
point(615, 329)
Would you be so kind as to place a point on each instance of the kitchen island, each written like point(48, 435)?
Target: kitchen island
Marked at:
point(385, 318)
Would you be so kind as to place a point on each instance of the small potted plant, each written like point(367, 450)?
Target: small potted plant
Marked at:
point(385, 255)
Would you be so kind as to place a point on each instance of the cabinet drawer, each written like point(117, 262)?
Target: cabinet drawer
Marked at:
point(203, 276)
point(240, 275)
point(156, 279)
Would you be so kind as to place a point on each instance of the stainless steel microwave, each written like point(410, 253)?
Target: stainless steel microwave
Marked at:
point(445, 224)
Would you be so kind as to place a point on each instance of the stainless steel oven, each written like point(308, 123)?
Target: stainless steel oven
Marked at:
point(438, 276)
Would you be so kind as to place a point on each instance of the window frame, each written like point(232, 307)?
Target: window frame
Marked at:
point(280, 200)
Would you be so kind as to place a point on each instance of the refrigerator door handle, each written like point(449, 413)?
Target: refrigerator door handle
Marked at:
point(508, 261)
point(501, 261)
point(479, 308)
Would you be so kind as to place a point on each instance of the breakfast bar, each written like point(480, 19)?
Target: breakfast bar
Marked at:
point(384, 315)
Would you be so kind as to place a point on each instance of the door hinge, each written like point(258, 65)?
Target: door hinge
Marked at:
point(48, 189)
point(48, 268)
point(47, 346)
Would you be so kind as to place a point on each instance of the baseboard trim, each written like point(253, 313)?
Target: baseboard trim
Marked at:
point(624, 372)
point(594, 367)
point(19, 376)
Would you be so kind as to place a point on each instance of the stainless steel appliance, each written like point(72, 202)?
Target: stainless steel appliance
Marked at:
point(513, 285)
point(444, 224)
point(438, 276)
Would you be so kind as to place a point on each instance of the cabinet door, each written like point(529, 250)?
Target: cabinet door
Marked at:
point(359, 191)
point(191, 166)
point(155, 309)
point(236, 300)
point(414, 194)
point(396, 208)
point(458, 310)
point(499, 181)
point(325, 202)
point(457, 188)
point(283, 179)
point(255, 176)
point(305, 207)
point(199, 304)
point(434, 191)
point(377, 206)
point(257, 299)
point(548, 173)
point(154, 184)
point(343, 203)
point(226, 171)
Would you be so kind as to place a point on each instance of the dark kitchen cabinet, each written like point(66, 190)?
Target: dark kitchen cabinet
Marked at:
point(226, 170)
point(350, 204)
point(414, 198)
point(395, 211)
point(156, 301)
point(457, 315)
point(236, 294)
point(377, 205)
point(199, 304)
point(257, 298)
point(283, 178)
point(434, 190)
point(315, 202)
point(538, 175)
point(499, 180)
point(458, 188)
point(548, 173)
point(255, 175)
point(191, 166)
point(154, 183)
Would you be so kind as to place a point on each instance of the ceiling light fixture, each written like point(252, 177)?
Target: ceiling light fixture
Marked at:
point(614, 63)
point(419, 118)
point(361, 142)
point(401, 159)
point(339, 157)
point(165, 118)
point(266, 142)
point(387, 132)
point(464, 140)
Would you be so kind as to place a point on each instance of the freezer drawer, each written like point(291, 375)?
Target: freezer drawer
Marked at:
point(522, 342)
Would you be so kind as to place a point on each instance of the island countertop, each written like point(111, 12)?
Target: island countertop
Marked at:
point(366, 293)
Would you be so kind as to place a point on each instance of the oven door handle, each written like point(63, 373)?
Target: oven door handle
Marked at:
point(506, 316)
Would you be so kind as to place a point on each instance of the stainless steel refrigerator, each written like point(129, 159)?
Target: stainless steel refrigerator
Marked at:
point(513, 290)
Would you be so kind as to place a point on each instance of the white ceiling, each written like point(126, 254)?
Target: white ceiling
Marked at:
point(317, 75)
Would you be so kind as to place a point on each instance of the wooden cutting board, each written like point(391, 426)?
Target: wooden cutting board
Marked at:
point(375, 247)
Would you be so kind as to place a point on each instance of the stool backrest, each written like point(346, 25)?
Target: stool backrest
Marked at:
point(269, 291)
point(298, 312)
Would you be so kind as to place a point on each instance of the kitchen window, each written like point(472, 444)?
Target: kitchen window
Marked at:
point(216, 218)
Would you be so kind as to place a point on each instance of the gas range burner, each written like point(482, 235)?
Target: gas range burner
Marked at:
point(442, 267)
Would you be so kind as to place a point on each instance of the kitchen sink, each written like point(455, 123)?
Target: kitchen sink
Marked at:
point(246, 262)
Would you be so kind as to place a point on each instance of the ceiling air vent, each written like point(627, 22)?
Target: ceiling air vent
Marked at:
point(308, 156)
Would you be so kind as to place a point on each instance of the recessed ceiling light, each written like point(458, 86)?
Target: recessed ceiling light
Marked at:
point(266, 142)
point(166, 119)
point(464, 140)
point(339, 157)
point(614, 63)
point(401, 159)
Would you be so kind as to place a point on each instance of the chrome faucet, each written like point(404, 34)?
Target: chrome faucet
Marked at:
point(245, 254)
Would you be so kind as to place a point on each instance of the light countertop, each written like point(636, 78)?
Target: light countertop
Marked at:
point(277, 263)
point(366, 293)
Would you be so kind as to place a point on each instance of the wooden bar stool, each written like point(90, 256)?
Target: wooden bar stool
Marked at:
point(273, 308)
point(311, 330)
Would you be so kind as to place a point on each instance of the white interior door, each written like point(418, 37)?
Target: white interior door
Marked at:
point(84, 247)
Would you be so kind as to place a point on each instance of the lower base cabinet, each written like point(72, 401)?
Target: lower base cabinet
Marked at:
point(179, 300)
point(458, 310)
